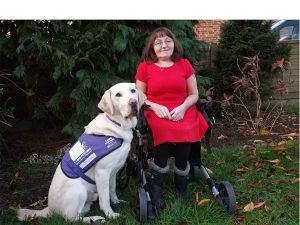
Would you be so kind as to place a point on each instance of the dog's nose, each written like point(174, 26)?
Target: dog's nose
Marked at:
point(133, 104)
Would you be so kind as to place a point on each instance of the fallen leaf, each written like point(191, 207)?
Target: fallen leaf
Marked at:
point(35, 203)
point(274, 161)
point(197, 197)
point(289, 158)
point(294, 135)
point(294, 197)
point(248, 147)
point(220, 162)
point(249, 207)
point(260, 204)
point(281, 153)
point(278, 148)
point(264, 132)
point(260, 165)
point(291, 169)
point(251, 184)
point(239, 217)
point(222, 137)
point(209, 171)
point(272, 143)
point(39, 202)
point(295, 180)
point(267, 209)
point(260, 169)
point(279, 167)
point(259, 141)
point(281, 181)
point(283, 142)
point(244, 169)
point(204, 201)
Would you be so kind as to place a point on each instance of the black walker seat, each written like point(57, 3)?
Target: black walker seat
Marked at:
point(222, 191)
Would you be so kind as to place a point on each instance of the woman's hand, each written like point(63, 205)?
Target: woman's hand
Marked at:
point(178, 113)
point(161, 111)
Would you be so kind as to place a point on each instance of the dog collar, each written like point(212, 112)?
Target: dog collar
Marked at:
point(115, 122)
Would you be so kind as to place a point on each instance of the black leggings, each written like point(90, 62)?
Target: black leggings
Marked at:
point(180, 151)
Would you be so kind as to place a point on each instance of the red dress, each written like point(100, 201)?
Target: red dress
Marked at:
point(167, 86)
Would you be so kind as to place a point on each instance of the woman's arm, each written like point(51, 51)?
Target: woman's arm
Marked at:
point(178, 112)
point(160, 110)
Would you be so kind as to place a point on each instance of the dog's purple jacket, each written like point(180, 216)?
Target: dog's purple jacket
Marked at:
point(86, 152)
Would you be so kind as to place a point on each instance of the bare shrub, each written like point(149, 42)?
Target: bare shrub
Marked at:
point(246, 98)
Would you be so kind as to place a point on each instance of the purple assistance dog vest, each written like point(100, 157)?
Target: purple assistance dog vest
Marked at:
point(86, 152)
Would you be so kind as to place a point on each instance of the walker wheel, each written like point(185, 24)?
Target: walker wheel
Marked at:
point(227, 196)
point(142, 206)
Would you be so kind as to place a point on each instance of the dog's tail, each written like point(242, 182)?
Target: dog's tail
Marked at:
point(29, 214)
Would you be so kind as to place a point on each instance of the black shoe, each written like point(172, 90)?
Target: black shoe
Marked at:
point(157, 197)
point(156, 190)
point(181, 183)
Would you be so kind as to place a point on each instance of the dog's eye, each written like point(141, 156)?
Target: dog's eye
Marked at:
point(132, 90)
point(118, 94)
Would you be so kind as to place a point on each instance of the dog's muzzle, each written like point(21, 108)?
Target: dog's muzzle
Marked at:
point(134, 108)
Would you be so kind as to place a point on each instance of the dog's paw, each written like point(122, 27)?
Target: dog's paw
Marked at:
point(94, 219)
point(112, 215)
point(116, 200)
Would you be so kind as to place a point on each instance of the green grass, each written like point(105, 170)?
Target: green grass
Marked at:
point(271, 183)
point(292, 109)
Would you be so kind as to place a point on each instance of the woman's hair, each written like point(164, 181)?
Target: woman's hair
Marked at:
point(149, 55)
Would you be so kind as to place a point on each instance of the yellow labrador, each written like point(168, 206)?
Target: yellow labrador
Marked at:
point(72, 195)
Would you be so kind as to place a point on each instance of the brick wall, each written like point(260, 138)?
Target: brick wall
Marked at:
point(208, 30)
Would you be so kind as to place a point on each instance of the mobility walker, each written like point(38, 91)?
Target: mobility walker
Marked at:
point(222, 191)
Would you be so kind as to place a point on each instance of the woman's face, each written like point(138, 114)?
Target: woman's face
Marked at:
point(163, 47)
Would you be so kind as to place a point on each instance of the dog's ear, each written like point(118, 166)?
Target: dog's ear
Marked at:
point(105, 103)
point(142, 98)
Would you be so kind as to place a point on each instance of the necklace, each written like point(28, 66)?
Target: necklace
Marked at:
point(164, 65)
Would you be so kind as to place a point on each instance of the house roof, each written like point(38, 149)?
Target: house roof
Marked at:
point(277, 24)
point(286, 29)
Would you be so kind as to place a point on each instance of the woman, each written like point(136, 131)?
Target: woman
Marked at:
point(170, 85)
